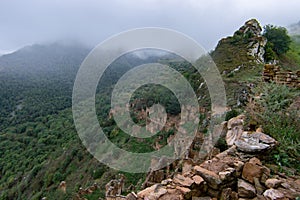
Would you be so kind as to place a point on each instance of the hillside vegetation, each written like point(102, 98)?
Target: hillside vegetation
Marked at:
point(39, 145)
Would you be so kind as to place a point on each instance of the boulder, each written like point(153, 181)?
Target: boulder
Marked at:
point(210, 177)
point(172, 194)
point(254, 142)
point(153, 192)
point(273, 183)
point(246, 189)
point(198, 179)
point(259, 188)
point(251, 171)
point(273, 194)
point(183, 181)
point(166, 182)
point(235, 129)
point(228, 174)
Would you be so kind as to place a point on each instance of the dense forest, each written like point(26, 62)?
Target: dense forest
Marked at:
point(39, 145)
point(37, 131)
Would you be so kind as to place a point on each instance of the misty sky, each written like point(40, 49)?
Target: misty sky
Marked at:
point(24, 22)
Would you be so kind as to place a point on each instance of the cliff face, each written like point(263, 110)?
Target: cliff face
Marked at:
point(245, 48)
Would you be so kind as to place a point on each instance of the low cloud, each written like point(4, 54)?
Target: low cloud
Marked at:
point(92, 21)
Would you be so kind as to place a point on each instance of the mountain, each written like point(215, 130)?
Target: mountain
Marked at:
point(39, 145)
point(38, 78)
point(42, 156)
point(294, 29)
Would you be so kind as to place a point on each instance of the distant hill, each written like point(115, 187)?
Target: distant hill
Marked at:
point(294, 29)
point(39, 145)
point(37, 132)
point(45, 59)
point(38, 79)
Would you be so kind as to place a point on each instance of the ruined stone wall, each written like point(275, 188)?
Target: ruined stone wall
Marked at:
point(275, 74)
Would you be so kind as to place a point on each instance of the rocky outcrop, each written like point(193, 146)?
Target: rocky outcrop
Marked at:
point(254, 142)
point(235, 129)
point(89, 190)
point(250, 142)
point(244, 49)
point(115, 187)
point(256, 46)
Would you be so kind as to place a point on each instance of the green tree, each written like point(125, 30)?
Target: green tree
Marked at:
point(278, 39)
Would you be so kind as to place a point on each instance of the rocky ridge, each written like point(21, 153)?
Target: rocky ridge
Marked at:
point(229, 175)
point(244, 49)
point(236, 173)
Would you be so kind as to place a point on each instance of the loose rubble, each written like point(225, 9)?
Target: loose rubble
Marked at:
point(236, 173)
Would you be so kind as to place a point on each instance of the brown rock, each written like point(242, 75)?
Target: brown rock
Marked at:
point(210, 177)
point(172, 195)
point(166, 182)
point(246, 189)
point(183, 181)
point(259, 188)
point(158, 193)
point(198, 179)
point(273, 194)
point(234, 196)
point(297, 183)
point(273, 183)
point(236, 121)
point(227, 175)
point(186, 192)
point(286, 185)
point(131, 196)
point(183, 190)
point(187, 166)
point(259, 130)
point(255, 161)
point(238, 165)
point(250, 171)
point(153, 192)
point(233, 135)
point(289, 193)
point(235, 129)
point(265, 175)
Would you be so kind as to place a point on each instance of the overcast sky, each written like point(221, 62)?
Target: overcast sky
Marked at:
point(24, 22)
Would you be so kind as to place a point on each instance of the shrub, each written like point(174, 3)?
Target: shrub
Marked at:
point(279, 121)
point(230, 114)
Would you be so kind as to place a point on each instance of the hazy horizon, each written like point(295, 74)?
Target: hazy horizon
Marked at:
point(90, 22)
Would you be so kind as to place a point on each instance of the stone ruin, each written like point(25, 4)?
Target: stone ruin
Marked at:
point(229, 175)
point(273, 73)
point(236, 173)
